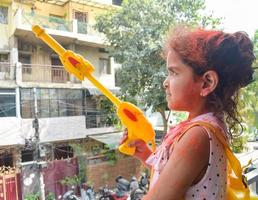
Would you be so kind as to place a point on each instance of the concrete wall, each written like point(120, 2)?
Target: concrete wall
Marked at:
point(105, 173)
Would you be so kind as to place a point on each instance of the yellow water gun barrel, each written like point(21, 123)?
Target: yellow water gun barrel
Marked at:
point(72, 61)
point(40, 33)
point(130, 115)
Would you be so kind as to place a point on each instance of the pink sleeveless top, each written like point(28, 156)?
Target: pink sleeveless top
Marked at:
point(213, 184)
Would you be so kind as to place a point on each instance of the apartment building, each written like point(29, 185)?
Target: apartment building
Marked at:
point(39, 100)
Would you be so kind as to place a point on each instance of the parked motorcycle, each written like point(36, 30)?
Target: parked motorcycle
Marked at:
point(144, 182)
point(88, 193)
point(105, 193)
point(137, 193)
point(121, 191)
point(125, 190)
point(69, 195)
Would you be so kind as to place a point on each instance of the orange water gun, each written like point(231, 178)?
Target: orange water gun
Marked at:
point(130, 115)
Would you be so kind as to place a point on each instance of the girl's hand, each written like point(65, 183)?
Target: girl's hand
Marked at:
point(142, 151)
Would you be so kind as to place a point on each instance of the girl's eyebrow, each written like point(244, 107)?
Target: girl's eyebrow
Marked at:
point(172, 67)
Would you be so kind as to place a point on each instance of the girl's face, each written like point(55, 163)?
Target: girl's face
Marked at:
point(182, 90)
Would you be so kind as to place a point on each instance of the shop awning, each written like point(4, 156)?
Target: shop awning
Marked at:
point(95, 91)
point(110, 139)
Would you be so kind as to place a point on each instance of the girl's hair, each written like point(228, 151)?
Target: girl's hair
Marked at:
point(230, 55)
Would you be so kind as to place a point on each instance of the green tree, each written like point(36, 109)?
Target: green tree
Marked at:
point(248, 100)
point(135, 34)
point(109, 110)
point(80, 178)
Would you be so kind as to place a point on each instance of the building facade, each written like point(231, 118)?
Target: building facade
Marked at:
point(39, 100)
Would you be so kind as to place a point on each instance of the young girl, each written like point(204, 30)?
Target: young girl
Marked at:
point(206, 69)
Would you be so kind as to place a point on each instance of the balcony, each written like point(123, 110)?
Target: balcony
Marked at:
point(5, 71)
point(47, 22)
point(65, 32)
point(46, 74)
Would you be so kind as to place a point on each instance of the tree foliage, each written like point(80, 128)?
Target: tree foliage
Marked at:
point(135, 34)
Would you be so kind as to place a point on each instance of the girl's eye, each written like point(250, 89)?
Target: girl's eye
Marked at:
point(172, 73)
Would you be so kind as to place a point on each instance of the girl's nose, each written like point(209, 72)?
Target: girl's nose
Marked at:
point(165, 83)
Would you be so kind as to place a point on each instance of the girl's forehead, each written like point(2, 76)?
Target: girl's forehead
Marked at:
point(173, 59)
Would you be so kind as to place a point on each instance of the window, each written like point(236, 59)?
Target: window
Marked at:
point(25, 59)
point(7, 103)
point(63, 152)
point(52, 102)
point(91, 119)
point(117, 2)
point(27, 155)
point(58, 73)
point(104, 66)
point(55, 60)
point(103, 50)
point(6, 159)
point(4, 57)
point(81, 21)
point(27, 104)
point(4, 65)
point(80, 16)
point(3, 15)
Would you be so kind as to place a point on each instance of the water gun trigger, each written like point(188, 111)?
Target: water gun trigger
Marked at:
point(76, 64)
point(124, 148)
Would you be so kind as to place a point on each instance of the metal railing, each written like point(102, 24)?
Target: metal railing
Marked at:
point(252, 180)
point(47, 22)
point(58, 24)
point(5, 68)
point(46, 73)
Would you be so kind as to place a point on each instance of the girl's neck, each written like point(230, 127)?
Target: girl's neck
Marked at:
point(196, 113)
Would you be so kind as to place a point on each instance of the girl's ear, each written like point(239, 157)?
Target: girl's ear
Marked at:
point(210, 82)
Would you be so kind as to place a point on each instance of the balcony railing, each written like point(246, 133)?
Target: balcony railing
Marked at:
point(5, 68)
point(47, 22)
point(46, 73)
point(56, 23)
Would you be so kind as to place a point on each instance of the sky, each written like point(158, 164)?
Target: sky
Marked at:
point(238, 15)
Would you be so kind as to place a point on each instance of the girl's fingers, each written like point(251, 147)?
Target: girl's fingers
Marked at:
point(136, 143)
point(124, 137)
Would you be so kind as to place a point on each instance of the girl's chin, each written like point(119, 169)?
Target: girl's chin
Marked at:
point(175, 107)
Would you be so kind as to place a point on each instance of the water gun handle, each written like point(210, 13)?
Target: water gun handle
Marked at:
point(138, 127)
point(130, 115)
